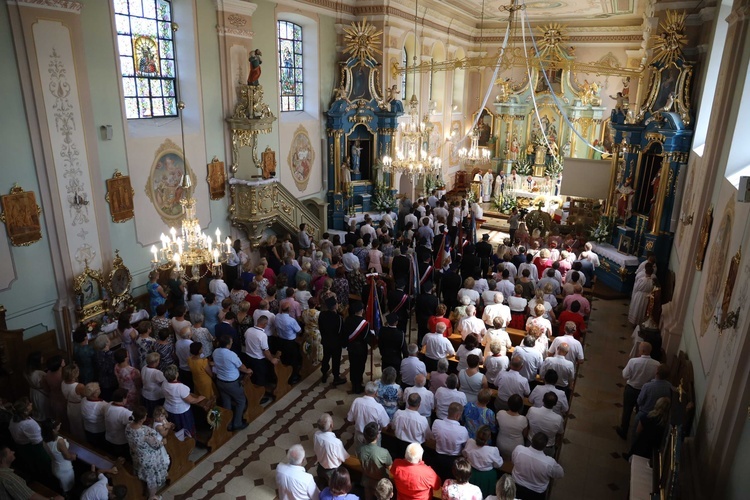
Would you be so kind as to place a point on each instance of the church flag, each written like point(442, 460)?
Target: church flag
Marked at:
point(446, 250)
point(373, 314)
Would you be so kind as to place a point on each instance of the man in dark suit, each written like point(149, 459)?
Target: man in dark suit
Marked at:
point(484, 252)
point(392, 343)
point(400, 268)
point(331, 324)
point(356, 329)
point(470, 263)
point(426, 269)
point(425, 305)
point(399, 303)
point(227, 327)
point(450, 284)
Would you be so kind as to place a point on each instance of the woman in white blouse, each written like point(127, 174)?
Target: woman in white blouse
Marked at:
point(512, 427)
point(484, 459)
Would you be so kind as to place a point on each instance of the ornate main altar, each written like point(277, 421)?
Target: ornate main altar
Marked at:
point(361, 123)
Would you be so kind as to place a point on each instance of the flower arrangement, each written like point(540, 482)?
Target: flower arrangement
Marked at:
point(471, 197)
point(383, 199)
point(554, 168)
point(602, 232)
point(524, 167)
point(214, 418)
point(505, 204)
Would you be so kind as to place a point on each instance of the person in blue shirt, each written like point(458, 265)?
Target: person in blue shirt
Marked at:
point(229, 369)
point(339, 486)
point(287, 329)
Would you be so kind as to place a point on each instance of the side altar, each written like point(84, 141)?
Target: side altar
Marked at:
point(361, 123)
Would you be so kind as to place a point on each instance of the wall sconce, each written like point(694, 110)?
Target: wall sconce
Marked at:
point(686, 219)
point(725, 323)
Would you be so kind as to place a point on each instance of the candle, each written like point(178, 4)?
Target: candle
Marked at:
point(218, 234)
point(163, 241)
point(229, 244)
point(216, 256)
point(154, 251)
point(173, 231)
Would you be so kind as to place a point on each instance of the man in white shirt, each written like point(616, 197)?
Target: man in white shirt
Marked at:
point(116, 417)
point(575, 349)
point(411, 367)
point(364, 410)
point(637, 372)
point(219, 289)
point(262, 310)
point(565, 369)
point(329, 450)
point(436, 347)
point(509, 383)
point(496, 310)
point(532, 469)
point(537, 395)
point(427, 398)
point(260, 359)
point(468, 291)
point(546, 421)
point(447, 395)
point(412, 217)
point(409, 425)
point(471, 324)
point(497, 334)
point(450, 438)
point(531, 357)
point(589, 255)
point(367, 228)
point(292, 480)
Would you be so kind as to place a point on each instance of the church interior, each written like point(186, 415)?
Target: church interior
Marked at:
point(158, 150)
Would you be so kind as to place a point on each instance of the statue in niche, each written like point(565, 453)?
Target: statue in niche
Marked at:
point(346, 176)
point(514, 147)
point(255, 62)
point(654, 193)
point(356, 152)
point(625, 199)
point(566, 149)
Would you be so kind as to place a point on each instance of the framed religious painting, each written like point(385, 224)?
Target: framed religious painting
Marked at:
point(21, 216)
point(624, 245)
point(120, 197)
point(119, 284)
point(268, 163)
point(90, 294)
point(217, 179)
point(485, 126)
point(700, 255)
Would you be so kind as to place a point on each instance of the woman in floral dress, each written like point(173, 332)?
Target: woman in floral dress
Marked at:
point(128, 378)
point(261, 281)
point(165, 347)
point(150, 459)
point(144, 341)
point(389, 392)
point(237, 294)
point(313, 346)
point(341, 287)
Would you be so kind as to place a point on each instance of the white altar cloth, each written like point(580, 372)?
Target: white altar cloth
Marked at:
point(611, 253)
point(375, 216)
point(134, 318)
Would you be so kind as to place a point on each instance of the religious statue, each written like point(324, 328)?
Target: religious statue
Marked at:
point(393, 92)
point(566, 149)
point(597, 155)
point(346, 176)
point(514, 147)
point(504, 95)
point(654, 193)
point(553, 149)
point(499, 184)
point(255, 62)
point(356, 151)
point(619, 101)
point(487, 186)
point(625, 200)
point(530, 150)
point(670, 102)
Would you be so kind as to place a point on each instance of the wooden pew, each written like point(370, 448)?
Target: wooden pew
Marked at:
point(307, 365)
point(283, 373)
point(213, 438)
point(253, 393)
point(124, 474)
point(179, 455)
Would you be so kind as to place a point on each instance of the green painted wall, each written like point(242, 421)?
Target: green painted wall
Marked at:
point(30, 298)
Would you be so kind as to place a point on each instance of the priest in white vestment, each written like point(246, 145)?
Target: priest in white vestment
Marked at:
point(487, 186)
point(639, 300)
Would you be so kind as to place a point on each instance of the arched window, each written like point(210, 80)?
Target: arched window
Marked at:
point(145, 45)
point(290, 67)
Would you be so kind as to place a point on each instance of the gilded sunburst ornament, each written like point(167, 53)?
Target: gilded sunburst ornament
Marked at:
point(553, 35)
point(667, 45)
point(362, 40)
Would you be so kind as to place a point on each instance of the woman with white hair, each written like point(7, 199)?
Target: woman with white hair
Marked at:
point(505, 489)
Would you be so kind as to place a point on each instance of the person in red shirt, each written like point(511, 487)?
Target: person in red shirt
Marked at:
point(439, 317)
point(414, 480)
point(575, 316)
point(253, 297)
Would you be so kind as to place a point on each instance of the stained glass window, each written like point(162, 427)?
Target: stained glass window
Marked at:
point(290, 66)
point(145, 45)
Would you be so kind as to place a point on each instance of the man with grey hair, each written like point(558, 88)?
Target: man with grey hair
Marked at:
point(408, 425)
point(447, 395)
point(575, 349)
point(427, 398)
point(450, 438)
point(496, 309)
point(510, 383)
point(364, 410)
point(471, 324)
point(566, 370)
point(329, 450)
point(412, 477)
point(505, 489)
point(293, 482)
point(532, 358)
point(411, 367)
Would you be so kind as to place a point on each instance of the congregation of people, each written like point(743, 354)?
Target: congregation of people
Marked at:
point(473, 406)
